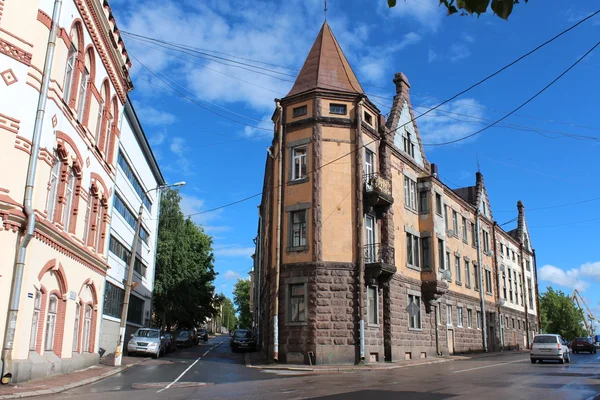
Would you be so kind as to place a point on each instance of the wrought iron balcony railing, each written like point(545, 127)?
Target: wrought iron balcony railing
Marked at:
point(376, 183)
point(379, 253)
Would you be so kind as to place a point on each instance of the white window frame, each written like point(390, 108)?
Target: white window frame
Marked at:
point(410, 194)
point(459, 317)
point(469, 318)
point(372, 297)
point(35, 320)
point(87, 328)
point(76, 327)
point(51, 322)
point(449, 315)
point(69, 194)
point(302, 229)
point(414, 322)
point(413, 253)
point(457, 270)
point(467, 273)
point(370, 238)
point(53, 192)
point(299, 161)
point(290, 304)
point(69, 73)
point(478, 316)
point(82, 94)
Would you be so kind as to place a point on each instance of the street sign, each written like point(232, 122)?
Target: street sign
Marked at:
point(412, 309)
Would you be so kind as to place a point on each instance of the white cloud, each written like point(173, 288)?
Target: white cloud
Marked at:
point(426, 12)
point(431, 56)
point(577, 15)
point(210, 221)
point(229, 274)
point(459, 52)
point(177, 146)
point(151, 116)
point(574, 278)
point(468, 38)
point(157, 138)
point(444, 124)
point(236, 251)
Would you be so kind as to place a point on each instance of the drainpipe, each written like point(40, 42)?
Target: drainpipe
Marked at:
point(359, 228)
point(481, 293)
point(11, 320)
point(437, 336)
point(278, 234)
point(500, 325)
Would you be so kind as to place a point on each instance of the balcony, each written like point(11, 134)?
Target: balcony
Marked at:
point(380, 263)
point(377, 192)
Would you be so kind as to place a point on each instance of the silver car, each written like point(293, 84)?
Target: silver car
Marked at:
point(549, 347)
point(147, 341)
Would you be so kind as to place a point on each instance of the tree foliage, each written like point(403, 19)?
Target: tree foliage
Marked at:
point(560, 315)
point(241, 298)
point(228, 318)
point(183, 290)
point(502, 8)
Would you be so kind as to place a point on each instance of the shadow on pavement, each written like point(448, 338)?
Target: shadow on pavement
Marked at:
point(386, 395)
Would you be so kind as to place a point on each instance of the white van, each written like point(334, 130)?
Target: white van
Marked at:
point(549, 347)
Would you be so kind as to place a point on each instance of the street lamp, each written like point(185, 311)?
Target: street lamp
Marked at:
point(129, 283)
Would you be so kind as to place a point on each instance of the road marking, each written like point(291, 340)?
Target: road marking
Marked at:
point(187, 369)
point(487, 366)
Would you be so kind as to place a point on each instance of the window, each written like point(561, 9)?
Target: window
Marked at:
point(484, 209)
point(519, 324)
point(86, 222)
point(299, 162)
point(137, 186)
point(298, 228)
point(300, 111)
point(68, 199)
point(467, 273)
point(521, 289)
point(448, 314)
point(516, 287)
point(446, 217)
point(37, 305)
point(368, 118)
point(459, 317)
point(448, 261)
point(369, 162)
point(479, 320)
point(410, 193)
point(372, 305)
point(425, 248)
point(409, 146)
point(529, 293)
point(122, 252)
point(488, 281)
point(87, 328)
point(297, 298)
point(457, 278)
point(528, 265)
point(476, 276)
point(455, 223)
point(424, 202)
point(129, 216)
point(337, 109)
point(504, 285)
point(53, 184)
point(513, 323)
point(441, 254)
point(486, 241)
point(51, 322)
point(469, 318)
point(473, 235)
point(510, 285)
point(412, 250)
point(76, 326)
point(83, 83)
point(465, 232)
point(371, 251)
point(99, 120)
point(438, 203)
point(69, 72)
point(135, 312)
point(113, 300)
point(415, 320)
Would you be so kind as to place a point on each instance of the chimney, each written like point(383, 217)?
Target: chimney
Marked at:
point(434, 170)
point(402, 85)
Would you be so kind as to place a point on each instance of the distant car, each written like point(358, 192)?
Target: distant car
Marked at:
point(202, 334)
point(549, 347)
point(583, 344)
point(185, 339)
point(170, 343)
point(147, 341)
point(243, 339)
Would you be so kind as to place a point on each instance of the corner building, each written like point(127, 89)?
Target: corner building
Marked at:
point(362, 252)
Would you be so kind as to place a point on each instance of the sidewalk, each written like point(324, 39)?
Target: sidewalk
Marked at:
point(258, 361)
point(60, 383)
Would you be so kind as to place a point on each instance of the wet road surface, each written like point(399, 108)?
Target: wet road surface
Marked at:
point(212, 371)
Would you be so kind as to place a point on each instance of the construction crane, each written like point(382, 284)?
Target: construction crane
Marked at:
point(577, 298)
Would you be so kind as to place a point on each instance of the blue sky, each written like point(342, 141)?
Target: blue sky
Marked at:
point(528, 157)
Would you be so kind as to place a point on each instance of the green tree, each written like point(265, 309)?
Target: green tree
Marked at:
point(560, 315)
point(184, 268)
point(241, 298)
point(228, 317)
point(502, 8)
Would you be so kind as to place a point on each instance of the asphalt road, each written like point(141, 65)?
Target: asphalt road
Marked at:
point(212, 371)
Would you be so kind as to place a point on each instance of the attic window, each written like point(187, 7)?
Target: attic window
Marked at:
point(409, 146)
point(368, 118)
point(300, 111)
point(337, 109)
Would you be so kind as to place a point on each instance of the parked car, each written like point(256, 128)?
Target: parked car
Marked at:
point(549, 347)
point(185, 339)
point(583, 344)
point(202, 334)
point(243, 339)
point(147, 341)
point(170, 343)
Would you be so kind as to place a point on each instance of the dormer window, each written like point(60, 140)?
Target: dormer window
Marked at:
point(368, 118)
point(340, 109)
point(409, 146)
point(300, 111)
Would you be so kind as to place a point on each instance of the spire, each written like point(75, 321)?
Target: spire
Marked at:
point(326, 67)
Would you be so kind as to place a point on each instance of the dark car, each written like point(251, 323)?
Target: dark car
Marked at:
point(583, 344)
point(170, 343)
point(202, 334)
point(185, 339)
point(243, 339)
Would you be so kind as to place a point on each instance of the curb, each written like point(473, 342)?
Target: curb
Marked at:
point(355, 368)
point(70, 385)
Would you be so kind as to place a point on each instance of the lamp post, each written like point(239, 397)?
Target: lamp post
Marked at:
point(129, 282)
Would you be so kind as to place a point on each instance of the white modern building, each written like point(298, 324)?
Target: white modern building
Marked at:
point(138, 182)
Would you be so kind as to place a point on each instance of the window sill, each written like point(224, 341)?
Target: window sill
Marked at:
point(305, 323)
point(413, 267)
point(488, 293)
point(415, 329)
point(459, 326)
point(297, 181)
point(438, 214)
point(297, 249)
point(468, 286)
point(411, 210)
point(465, 241)
point(458, 283)
point(372, 325)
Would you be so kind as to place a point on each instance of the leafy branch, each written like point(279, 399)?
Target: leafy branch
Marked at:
point(502, 8)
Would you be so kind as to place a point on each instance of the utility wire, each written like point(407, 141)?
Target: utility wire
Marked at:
point(555, 206)
point(519, 107)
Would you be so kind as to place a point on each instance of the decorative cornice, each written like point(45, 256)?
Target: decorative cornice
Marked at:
point(15, 52)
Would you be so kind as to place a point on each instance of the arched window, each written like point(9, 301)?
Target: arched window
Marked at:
point(51, 322)
point(98, 222)
point(76, 327)
point(86, 223)
point(87, 328)
point(108, 133)
point(104, 96)
point(53, 184)
point(37, 305)
point(83, 85)
point(69, 198)
point(71, 61)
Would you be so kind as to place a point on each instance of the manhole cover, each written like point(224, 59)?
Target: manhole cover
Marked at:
point(161, 385)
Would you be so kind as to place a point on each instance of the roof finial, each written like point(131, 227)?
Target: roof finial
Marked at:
point(478, 167)
point(325, 10)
